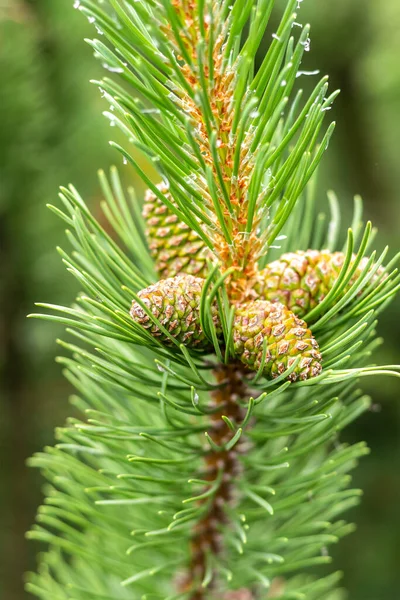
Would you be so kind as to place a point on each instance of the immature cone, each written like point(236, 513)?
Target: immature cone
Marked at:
point(286, 336)
point(301, 280)
point(175, 302)
point(174, 247)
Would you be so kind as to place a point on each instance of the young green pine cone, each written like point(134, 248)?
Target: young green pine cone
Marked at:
point(287, 338)
point(301, 280)
point(175, 302)
point(174, 247)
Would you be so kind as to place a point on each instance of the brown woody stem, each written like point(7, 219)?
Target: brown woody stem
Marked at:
point(219, 464)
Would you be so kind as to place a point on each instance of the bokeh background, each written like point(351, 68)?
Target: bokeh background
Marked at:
point(52, 133)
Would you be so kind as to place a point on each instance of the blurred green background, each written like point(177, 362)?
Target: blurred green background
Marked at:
point(52, 132)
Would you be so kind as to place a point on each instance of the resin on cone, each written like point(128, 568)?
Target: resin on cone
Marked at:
point(286, 337)
point(175, 302)
point(174, 246)
point(301, 280)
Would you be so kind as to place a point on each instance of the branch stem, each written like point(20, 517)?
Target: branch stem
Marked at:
point(221, 468)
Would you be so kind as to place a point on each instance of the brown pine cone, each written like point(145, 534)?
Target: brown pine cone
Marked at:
point(287, 338)
point(175, 302)
point(301, 280)
point(174, 247)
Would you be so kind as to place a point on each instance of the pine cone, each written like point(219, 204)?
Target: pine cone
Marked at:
point(175, 302)
point(174, 247)
point(287, 338)
point(301, 280)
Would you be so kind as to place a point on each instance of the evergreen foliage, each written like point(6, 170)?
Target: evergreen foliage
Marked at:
point(188, 475)
point(45, 67)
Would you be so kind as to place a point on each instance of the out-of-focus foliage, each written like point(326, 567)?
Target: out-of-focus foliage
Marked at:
point(52, 132)
point(358, 44)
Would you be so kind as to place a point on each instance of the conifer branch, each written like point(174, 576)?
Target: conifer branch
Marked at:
point(238, 162)
point(212, 411)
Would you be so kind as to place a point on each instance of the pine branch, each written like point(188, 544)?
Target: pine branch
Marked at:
point(291, 430)
point(211, 431)
point(220, 137)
